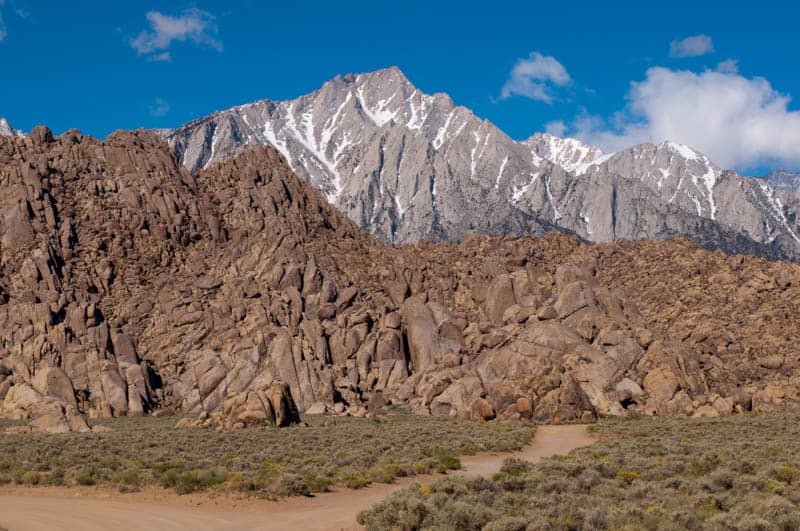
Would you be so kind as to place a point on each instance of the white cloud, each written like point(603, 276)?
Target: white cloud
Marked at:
point(739, 122)
point(3, 32)
point(9, 7)
point(556, 128)
point(693, 46)
point(161, 57)
point(728, 66)
point(534, 77)
point(193, 25)
point(159, 108)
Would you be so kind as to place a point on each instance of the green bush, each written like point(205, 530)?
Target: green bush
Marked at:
point(55, 478)
point(191, 481)
point(127, 477)
point(317, 482)
point(150, 451)
point(515, 467)
point(446, 461)
point(354, 480)
point(293, 485)
point(644, 473)
point(85, 478)
point(626, 477)
point(786, 474)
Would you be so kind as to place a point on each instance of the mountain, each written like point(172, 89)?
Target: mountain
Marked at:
point(784, 179)
point(401, 163)
point(130, 286)
point(569, 153)
point(6, 130)
point(405, 165)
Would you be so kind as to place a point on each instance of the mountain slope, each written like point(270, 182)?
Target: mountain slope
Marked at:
point(405, 165)
point(129, 285)
point(783, 179)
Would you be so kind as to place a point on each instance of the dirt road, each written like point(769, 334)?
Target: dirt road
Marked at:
point(325, 512)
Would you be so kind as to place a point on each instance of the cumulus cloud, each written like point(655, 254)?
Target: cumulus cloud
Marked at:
point(192, 25)
point(693, 46)
point(739, 122)
point(159, 108)
point(534, 77)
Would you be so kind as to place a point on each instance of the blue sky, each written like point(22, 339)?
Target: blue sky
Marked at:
point(100, 66)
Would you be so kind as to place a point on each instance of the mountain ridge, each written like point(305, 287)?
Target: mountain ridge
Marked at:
point(406, 165)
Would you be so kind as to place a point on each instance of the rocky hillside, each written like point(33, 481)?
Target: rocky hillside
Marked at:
point(406, 165)
point(130, 286)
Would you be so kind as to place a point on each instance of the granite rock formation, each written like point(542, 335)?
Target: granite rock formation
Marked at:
point(129, 286)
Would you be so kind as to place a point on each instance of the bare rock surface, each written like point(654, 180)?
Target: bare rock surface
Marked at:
point(406, 165)
point(238, 295)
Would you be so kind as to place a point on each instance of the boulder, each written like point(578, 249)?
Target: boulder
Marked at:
point(499, 297)
point(53, 381)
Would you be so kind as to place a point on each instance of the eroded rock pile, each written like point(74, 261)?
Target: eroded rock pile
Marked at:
point(129, 286)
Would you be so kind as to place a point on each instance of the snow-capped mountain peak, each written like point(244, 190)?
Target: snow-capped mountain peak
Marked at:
point(408, 165)
point(7, 130)
point(570, 153)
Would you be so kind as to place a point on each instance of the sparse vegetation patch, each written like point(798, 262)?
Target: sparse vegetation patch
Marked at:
point(266, 462)
point(733, 473)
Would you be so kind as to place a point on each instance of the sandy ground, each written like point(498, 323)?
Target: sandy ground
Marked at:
point(93, 509)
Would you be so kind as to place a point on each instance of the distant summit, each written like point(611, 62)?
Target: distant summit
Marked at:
point(7, 130)
point(788, 180)
point(406, 166)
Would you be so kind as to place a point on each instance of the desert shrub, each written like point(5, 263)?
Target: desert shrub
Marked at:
point(190, 481)
point(507, 523)
point(293, 485)
point(127, 477)
point(255, 458)
point(425, 466)
point(446, 461)
point(85, 478)
point(644, 473)
point(626, 477)
point(515, 467)
point(786, 474)
point(55, 478)
point(354, 480)
point(405, 510)
point(317, 482)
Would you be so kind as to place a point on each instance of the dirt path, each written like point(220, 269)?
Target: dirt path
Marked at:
point(328, 512)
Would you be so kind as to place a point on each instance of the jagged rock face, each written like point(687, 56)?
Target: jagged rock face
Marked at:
point(398, 162)
point(128, 285)
point(405, 165)
point(569, 153)
point(787, 180)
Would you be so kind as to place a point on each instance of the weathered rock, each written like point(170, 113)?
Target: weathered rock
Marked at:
point(499, 297)
point(129, 286)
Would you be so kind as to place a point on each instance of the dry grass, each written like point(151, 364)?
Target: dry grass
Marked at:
point(267, 462)
point(740, 472)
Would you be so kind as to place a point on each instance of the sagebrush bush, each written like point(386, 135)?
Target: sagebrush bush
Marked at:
point(644, 473)
point(349, 451)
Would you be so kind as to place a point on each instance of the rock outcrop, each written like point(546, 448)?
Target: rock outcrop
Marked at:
point(237, 296)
